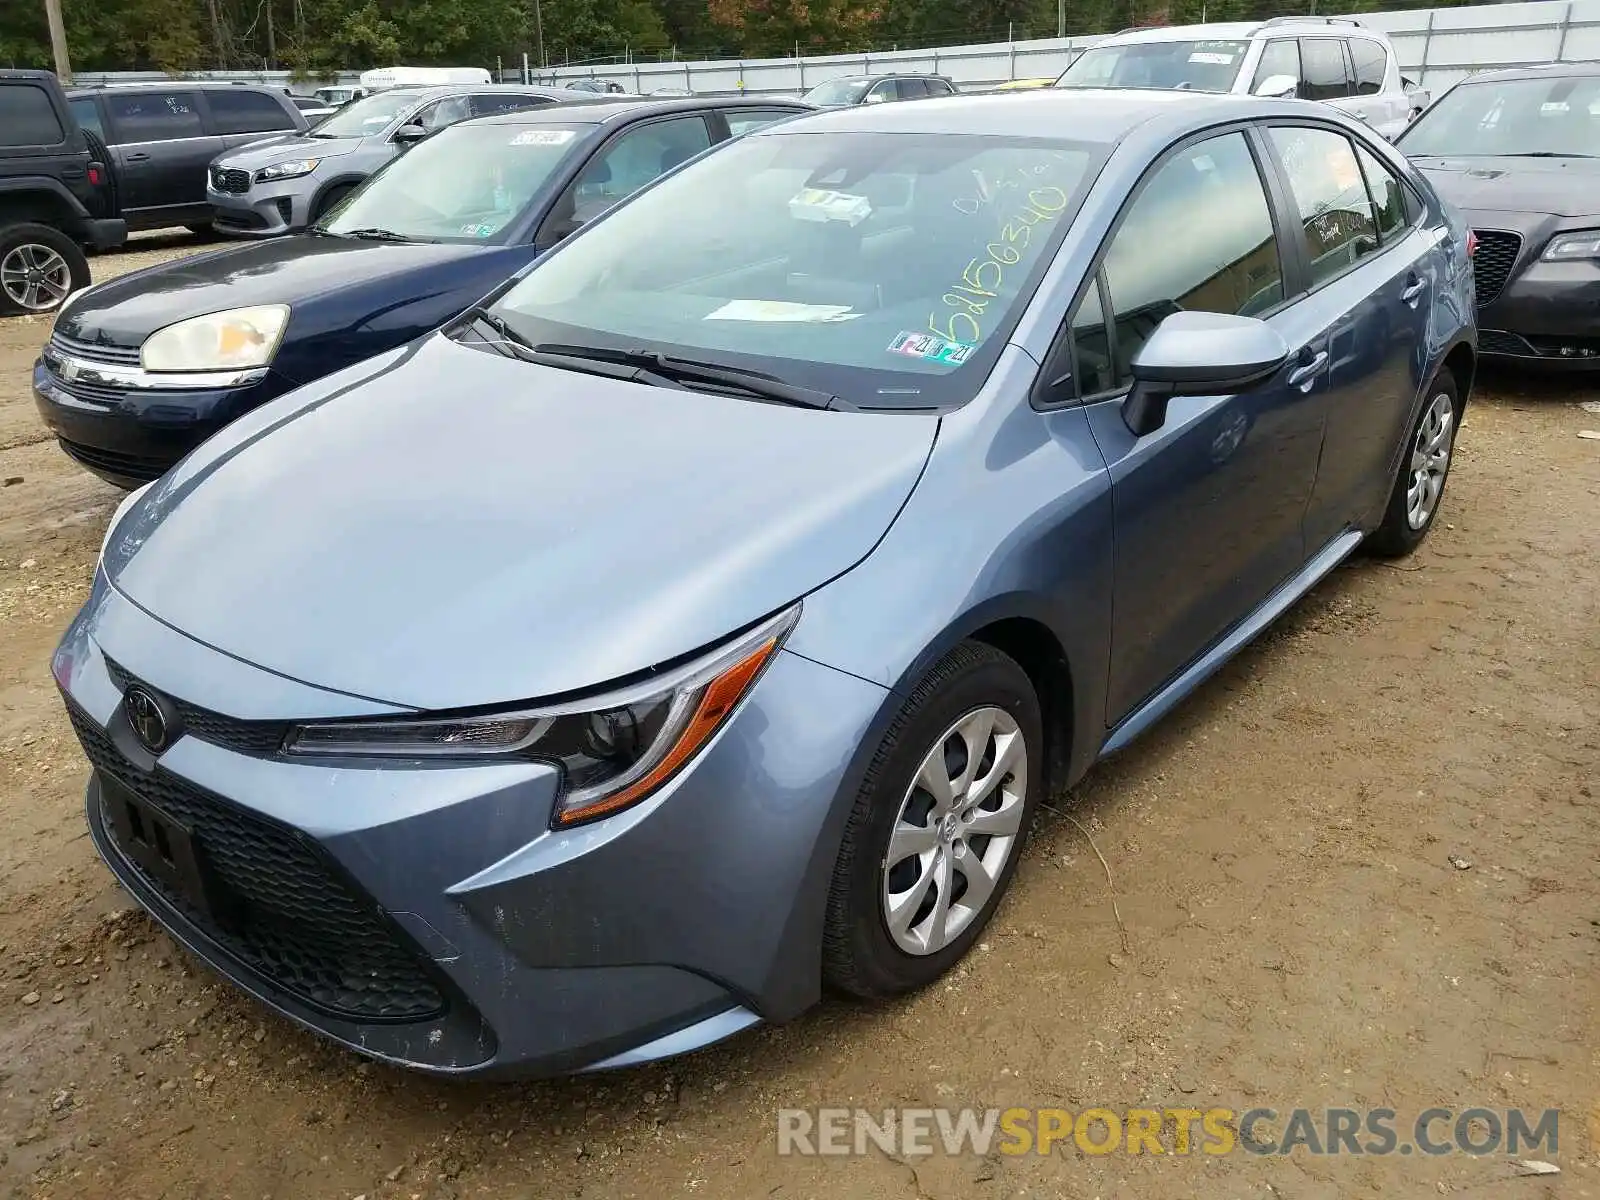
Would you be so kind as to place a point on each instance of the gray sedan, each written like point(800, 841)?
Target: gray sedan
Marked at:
point(261, 191)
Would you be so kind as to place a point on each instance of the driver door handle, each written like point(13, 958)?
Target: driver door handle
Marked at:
point(138, 156)
point(1305, 375)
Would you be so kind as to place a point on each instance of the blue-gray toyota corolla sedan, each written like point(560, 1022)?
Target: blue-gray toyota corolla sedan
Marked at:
point(698, 621)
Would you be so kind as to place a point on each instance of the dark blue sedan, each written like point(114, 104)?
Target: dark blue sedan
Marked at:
point(142, 369)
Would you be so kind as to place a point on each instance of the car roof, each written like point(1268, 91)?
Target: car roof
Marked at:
point(596, 110)
point(1065, 114)
point(1577, 70)
point(169, 85)
point(1241, 31)
point(886, 75)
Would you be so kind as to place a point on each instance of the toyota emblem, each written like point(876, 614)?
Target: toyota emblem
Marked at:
point(148, 721)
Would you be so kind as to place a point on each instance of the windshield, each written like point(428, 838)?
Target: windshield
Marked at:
point(1515, 116)
point(363, 118)
point(887, 269)
point(1199, 66)
point(839, 91)
point(464, 184)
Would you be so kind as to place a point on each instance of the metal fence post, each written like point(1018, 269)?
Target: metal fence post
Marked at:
point(1427, 47)
point(1566, 23)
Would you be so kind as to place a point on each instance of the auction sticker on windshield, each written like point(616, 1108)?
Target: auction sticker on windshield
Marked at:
point(780, 310)
point(930, 346)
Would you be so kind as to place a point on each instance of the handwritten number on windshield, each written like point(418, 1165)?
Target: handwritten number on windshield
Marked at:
point(983, 279)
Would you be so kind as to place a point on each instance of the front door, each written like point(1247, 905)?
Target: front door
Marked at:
point(1208, 508)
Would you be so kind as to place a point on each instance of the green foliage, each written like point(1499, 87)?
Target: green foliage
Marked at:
point(314, 37)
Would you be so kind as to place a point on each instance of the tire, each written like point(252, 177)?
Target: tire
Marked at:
point(1431, 442)
point(326, 202)
point(972, 689)
point(39, 268)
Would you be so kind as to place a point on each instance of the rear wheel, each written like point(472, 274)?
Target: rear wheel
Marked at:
point(1419, 488)
point(937, 828)
point(39, 267)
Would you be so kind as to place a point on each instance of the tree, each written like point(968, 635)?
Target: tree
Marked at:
point(775, 27)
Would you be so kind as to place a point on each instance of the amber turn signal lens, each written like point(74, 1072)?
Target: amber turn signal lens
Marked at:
point(715, 702)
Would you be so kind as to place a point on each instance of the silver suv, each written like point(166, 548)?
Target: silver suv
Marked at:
point(287, 184)
point(1332, 59)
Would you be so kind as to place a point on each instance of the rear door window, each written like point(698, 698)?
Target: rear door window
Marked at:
point(244, 110)
point(154, 116)
point(1370, 61)
point(1388, 195)
point(912, 89)
point(1330, 192)
point(27, 118)
point(488, 104)
point(1325, 70)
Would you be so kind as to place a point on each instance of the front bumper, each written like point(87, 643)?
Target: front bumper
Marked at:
point(429, 917)
point(266, 209)
point(129, 436)
point(1546, 315)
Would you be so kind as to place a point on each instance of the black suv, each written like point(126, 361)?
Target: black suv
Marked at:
point(163, 136)
point(55, 196)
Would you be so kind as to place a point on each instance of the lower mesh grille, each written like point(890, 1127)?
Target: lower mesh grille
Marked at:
point(287, 914)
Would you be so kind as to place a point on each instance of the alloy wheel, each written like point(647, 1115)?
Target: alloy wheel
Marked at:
point(36, 278)
point(1430, 460)
point(957, 826)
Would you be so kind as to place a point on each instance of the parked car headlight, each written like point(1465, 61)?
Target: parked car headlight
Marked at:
point(1566, 246)
point(613, 750)
point(289, 168)
point(221, 341)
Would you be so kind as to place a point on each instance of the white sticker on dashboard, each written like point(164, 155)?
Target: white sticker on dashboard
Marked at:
point(781, 310)
point(543, 137)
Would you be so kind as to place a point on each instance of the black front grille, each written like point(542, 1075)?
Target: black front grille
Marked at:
point(125, 356)
point(95, 393)
point(113, 462)
point(288, 915)
point(234, 733)
point(1491, 264)
point(230, 179)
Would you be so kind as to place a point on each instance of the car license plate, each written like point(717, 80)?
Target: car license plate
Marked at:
point(164, 847)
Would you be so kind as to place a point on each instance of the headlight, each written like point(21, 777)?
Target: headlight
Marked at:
point(289, 168)
point(1566, 246)
point(613, 750)
point(239, 337)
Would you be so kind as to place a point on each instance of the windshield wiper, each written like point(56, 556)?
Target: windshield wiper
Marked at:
point(1545, 154)
point(689, 371)
point(377, 235)
point(512, 344)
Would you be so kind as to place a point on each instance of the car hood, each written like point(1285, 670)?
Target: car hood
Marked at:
point(126, 310)
point(1562, 187)
point(255, 155)
point(443, 527)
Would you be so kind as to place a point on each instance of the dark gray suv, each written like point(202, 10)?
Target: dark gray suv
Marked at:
point(162, 136)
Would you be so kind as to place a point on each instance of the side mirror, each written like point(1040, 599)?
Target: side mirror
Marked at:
point(410, 135)
point(1199, 354)
point(1278, 87)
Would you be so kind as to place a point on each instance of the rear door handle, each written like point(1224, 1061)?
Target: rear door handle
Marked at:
point(1305, 375)
point(138, 156)
point(1413, 290)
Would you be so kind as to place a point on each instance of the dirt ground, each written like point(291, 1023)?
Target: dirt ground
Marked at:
point(1296, 930)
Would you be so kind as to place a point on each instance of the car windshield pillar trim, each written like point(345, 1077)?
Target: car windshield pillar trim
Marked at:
point(74, 370)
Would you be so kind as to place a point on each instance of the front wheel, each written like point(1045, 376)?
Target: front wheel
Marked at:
point(1419, 488)
point(39, 267)
point(937, 827)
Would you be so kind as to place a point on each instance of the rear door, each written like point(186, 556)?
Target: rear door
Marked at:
point(240, 115)
point(1371, 269)
point(1325, 71)
point(162, 148)
point(1208, 508)
point(1369, 63)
